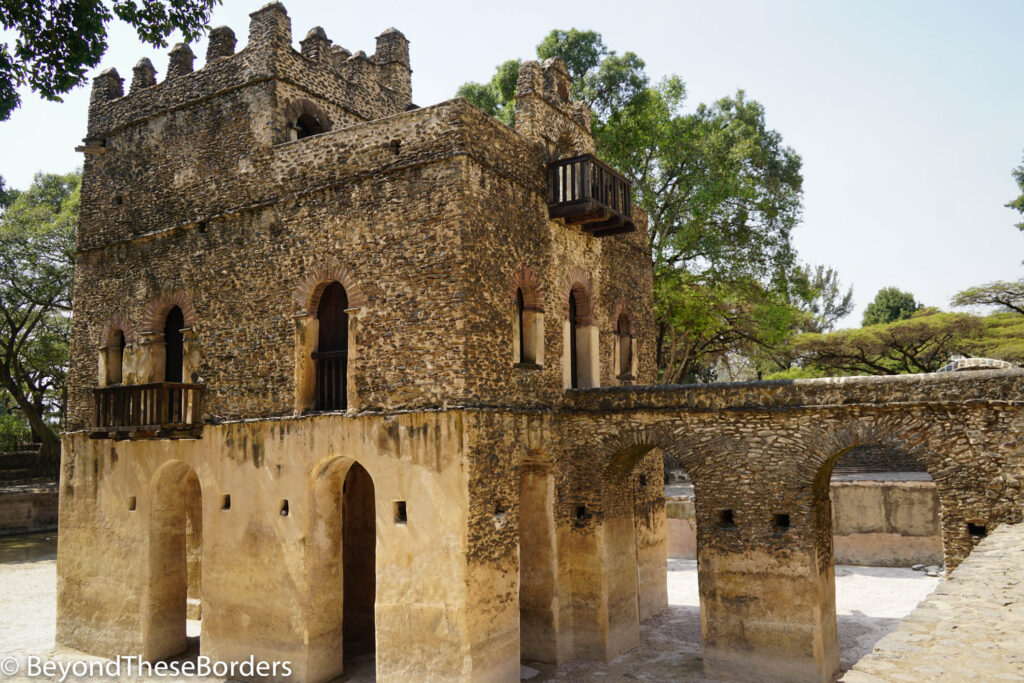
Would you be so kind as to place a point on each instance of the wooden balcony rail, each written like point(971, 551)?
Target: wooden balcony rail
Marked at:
point(331, 379)
point(587, 192)
point(157, 410)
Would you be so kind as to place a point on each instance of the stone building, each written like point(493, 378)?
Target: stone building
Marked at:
point(352, 374)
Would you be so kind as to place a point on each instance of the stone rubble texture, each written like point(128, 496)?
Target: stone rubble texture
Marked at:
point(512, 518)
point(970, 629)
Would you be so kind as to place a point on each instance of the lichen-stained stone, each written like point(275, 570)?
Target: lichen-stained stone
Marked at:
point(450, 505)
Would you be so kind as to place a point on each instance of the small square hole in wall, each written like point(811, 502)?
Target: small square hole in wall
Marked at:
point(131, 503)
point(500, 516)
point(781, 521)
point(977, 530)
point(642, 481)
point(225, 503)
point(401, 515)
point(202, 226)
point(726, 519)
point(284, 507)
point(118, 200)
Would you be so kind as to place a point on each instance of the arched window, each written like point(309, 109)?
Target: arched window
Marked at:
point(625, 339)
point(331, 355)
point(307, 125)
point(522, 327)
point(114, 351)
point(574, 362)
point(174, 345)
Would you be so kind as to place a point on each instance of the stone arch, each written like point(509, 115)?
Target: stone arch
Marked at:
point(622, 309)
point(567, 139)
point(307, 295)
point(174, 558)
point(156, 310)
point(307, 115)
point(577, 282)
point(525, 279)
point(118, 321)
point(619, 453)
point(341, 554)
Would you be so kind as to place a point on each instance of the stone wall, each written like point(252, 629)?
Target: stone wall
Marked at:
point(886, 523)
point(25, 508)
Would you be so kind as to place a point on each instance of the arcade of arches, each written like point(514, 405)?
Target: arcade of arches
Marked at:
point(456, 542)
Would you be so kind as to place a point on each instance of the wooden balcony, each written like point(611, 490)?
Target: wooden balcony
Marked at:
point(587, 192)
point(162, 410)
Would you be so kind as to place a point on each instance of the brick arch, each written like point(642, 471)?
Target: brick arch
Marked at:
point(525, 279)
point(118, 321)
point(622, 308)
point(307, 296)
point(156, 311)
point(824, 447)
point(578, 283)
point(568, 140)
point(303, 107)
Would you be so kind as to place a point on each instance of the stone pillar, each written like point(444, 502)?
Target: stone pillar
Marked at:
point(107, 86)
point(351, 388)
point(393, 58)
point(190, 356)
point(143, 75)
point(151, 357)
point(222, 44)
point(180, 63)
point(316, 45)
point(307, 332)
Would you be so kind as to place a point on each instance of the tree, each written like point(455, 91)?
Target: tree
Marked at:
point(721, 191)
point(1008, 295)
point(890, 305)
point(1018, 203)
point(37, 234)
point(822, 298)
point(7, 194)
point(55, 42)
point(496, 97)
point(923, 342)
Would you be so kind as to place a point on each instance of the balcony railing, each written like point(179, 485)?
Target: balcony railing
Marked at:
point(159, 410)
point(587, 192)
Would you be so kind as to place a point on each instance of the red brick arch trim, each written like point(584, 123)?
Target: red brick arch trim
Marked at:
point(155, 315)
point(118, 321)
point(533, 290)
point(578, 282)
point(307, 296)
point(622, 309)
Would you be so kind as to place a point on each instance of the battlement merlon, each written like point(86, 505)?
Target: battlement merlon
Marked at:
point(546, 113)
point(379, 86)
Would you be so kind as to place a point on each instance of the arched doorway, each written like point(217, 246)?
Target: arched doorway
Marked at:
point(343, 549)
point(174, 345)
point(174, 562)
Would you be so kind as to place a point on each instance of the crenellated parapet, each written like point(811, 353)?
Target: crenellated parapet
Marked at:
point(546, 113)
point(365, 87)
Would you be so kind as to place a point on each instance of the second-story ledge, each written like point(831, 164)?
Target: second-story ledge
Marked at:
point(588, 192)
point(160, 410)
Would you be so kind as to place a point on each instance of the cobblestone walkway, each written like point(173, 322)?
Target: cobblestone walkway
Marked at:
point(970, 629)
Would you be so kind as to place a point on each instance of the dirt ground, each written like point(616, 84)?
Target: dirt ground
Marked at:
point(870, 602)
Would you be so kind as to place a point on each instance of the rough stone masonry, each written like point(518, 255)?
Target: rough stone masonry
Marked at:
point(339, 382)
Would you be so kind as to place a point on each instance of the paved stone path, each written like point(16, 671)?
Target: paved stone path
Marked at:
point(970, 629)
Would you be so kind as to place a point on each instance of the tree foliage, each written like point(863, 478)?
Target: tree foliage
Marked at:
point(1009, 296)
point(923, 342)
point(890, 305)
point(37, 233)
point(721, 190)
point(1018, 203)
point(56, 42)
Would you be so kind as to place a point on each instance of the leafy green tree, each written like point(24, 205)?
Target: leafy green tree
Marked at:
point(1003, 338)
point(54, 43)
point(1007, 295)
point(497, 96)
point(923, 342)
point(890, 305)
point(822, 298)
point(721, 190)
point(37, 235)
point(1018, 203)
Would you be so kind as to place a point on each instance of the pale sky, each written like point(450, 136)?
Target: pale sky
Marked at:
point(909, 116)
